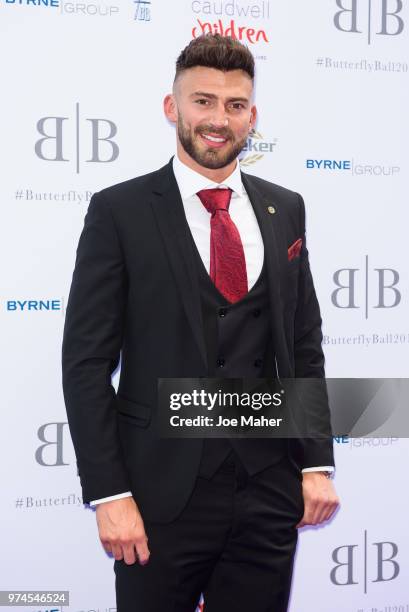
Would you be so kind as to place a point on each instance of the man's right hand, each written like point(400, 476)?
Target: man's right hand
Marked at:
point(121, 530)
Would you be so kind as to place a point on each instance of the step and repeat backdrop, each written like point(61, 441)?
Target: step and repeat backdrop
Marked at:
point(81, 106)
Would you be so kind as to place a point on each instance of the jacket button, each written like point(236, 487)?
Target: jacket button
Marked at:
point(222, 312)
point(220, 362)
point(258, 363)
point(256, 312)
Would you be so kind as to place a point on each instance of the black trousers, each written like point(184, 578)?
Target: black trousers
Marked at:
point(234, 542)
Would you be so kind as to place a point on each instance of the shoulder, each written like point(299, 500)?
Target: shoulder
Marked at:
point(273, 189)
point(131, 188)
point(289, 202)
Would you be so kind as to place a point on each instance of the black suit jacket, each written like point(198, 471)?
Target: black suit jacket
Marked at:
point(135, 294)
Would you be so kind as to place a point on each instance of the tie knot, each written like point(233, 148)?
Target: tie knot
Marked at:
point(215, 199)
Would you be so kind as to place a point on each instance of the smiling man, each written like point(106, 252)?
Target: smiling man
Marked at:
point(195, 270)
point(216, 145)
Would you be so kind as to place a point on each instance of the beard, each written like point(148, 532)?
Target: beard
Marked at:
point(209, 158)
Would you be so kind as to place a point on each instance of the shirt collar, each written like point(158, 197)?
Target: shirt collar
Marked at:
point(190, 182)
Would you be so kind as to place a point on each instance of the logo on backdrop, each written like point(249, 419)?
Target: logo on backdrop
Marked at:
point(365, 443)
point(44, 305)
point(63, 139)
point(365, 563)
point(242, 33)
point(51, 452)
point(80, 9)
point(352, 166)
point(382, 295)
point(256, 147)
point(372, 442)
point(370, 18)
point(228, 26)
point(254, 10)
point(142, 10)
point(40, 3)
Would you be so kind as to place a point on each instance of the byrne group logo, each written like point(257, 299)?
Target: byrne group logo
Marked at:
point(356, 168)
point(256, 147)
point(220, 18)
point(365, 563)
point(96, 134)
point(43, 305)
point(370, 18)
point(363, 288)
point(92, 8)
point(372, 443)
point(32, 3)
point(365, 443)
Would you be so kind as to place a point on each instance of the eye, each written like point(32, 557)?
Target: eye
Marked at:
point(238, 105)
point(201, 100)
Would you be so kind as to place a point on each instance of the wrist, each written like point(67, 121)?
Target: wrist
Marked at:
point(324, 473)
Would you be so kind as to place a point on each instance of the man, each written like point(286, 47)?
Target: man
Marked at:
point(195, 270)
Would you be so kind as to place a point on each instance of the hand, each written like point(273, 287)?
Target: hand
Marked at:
point(320, 498)
point(121, 530)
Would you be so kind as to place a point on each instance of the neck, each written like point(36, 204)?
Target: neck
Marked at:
point(217, 175)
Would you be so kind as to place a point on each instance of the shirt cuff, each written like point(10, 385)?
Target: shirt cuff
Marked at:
point(110, 498)
point(324, 468)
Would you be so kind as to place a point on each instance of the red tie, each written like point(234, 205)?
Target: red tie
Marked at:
point(227, 262)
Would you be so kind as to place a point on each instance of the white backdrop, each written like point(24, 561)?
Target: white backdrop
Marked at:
point(332, 96)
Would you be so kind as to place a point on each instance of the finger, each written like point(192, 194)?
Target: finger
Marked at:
point(326, 510)
point(321, 513)
point(129, 553)
point(310, 508)
point(331, 509)
point(142, 550)
point(117, 551)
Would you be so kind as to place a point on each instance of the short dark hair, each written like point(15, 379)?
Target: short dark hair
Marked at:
point(215, 51)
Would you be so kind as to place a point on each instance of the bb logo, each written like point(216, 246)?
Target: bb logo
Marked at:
point(378, 563)
point(385, 291)
point(51, 453)
point(54, 133)
point(365, 16)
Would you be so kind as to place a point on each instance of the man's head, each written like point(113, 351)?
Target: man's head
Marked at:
point(211, 102)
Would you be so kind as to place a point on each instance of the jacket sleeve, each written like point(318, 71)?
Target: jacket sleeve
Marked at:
point(91, 351)
point(317, 447)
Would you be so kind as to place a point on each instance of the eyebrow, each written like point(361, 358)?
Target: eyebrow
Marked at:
point(214, 97)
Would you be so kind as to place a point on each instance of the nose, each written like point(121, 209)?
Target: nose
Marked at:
point(218, 117)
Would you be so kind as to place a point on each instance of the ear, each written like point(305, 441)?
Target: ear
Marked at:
point(169, 107)
point(253, 117)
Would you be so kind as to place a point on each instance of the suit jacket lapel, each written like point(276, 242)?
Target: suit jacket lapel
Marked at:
point(275, 254)
point(170, 215)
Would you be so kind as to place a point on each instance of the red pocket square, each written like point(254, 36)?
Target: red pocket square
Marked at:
point(294, 249)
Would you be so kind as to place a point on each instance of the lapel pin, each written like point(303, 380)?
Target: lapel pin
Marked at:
point(271, 210)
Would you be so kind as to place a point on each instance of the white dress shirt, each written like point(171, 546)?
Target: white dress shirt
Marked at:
point(242, 214)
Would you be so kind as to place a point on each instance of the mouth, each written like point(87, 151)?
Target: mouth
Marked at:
point(213, 141)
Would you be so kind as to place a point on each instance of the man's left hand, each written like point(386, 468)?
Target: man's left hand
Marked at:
point(320, 498)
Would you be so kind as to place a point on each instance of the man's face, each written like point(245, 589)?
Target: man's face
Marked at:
point(213, 114)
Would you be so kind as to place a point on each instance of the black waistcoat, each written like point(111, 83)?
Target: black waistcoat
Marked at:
point(239, 345)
